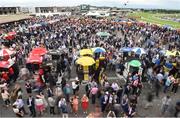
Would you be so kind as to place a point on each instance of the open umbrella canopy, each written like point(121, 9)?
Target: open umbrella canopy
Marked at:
point(6, 64)
point(135, 63)
point(86, 52)
point(103, 34)
point(85, 61)
point(125, 49)
point(9, 37)
point(170, 53)
point(12, 33)
point(169, 65)
point(176, 53)
point(6, 53)
point(39, 51)
point(98, 50)
point(34, 59)
point(139, 51)
point(167, 26)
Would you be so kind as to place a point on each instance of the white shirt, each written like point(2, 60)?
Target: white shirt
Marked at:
point(74, 85)
point(115, 86)
point(166, 101)
point(62, 102)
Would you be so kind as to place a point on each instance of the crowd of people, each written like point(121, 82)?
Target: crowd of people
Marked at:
point(108, 98)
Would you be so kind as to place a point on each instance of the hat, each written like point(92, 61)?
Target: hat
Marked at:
point(76, 79)
point(106, 92)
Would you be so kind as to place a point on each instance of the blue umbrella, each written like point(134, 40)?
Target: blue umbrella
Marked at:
point(157, 62)
point(125, 49)
point(167, 26)
point(99, 50)
point(139, 50)
point(168, 65)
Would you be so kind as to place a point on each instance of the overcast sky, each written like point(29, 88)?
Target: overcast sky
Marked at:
point(167, 4)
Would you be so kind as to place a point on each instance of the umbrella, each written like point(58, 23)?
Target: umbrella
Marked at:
point(6, 53)
point(34, 59)
point(86, 52)
point(85, 61)
point(8, 37)
point(12, 33)
point(125, 49)
point(170, 53)
point(39, 51)
point(98, 50)
point(135, 63)
point(6, 64)
point(167, 26)
point(176, 53)
point(139, 51)
point(169, 65)
point(103, 34)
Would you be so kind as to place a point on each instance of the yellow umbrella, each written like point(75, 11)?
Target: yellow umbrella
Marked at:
point(176, 53)
point(170, 53)
point(86, 52)
point(85, 61)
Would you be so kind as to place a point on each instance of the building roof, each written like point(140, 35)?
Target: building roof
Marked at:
point(12, 18)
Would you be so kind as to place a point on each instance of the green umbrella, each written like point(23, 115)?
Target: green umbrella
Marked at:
point(135, 63)
point(103, 34)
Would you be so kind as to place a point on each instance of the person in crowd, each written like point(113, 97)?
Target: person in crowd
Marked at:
point(93, 92)
point(63, 107)
point(31, 106)
point(166, 101)
point(75, 103)
point(17, 111)
point(85, 103)
point(51, 102)
point(177, 109)
point(175, 85)
point(6, 97)
point(40, 107)
point(20, 104)
point(67, 91)
point(28, 87)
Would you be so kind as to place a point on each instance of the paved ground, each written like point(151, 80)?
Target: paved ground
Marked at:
point(151, 112)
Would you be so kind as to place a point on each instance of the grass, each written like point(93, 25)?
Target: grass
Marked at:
point(155, 18)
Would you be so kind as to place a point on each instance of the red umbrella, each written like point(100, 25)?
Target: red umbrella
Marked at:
point(39, 51)
point(6, 53)
point(12, 33)
point(6, 64)
point(34, 59)
point(9, 37)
